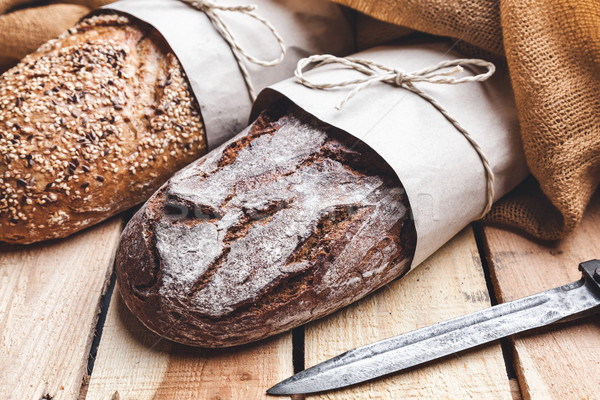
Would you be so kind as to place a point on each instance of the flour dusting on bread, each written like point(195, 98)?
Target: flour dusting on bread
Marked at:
point(287, 222)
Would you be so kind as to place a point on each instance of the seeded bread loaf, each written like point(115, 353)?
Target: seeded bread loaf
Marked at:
point(90, 125)
point(289, 221)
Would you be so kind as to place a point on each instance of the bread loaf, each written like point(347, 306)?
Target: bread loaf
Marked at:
point(90, 125)
point(289, 221)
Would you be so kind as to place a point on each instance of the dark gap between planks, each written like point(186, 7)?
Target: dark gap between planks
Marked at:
point(104, 303)
point(298, 349)
point(485, 256)
point(298, 335)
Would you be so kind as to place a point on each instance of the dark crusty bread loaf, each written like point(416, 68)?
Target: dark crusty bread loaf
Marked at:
point(90, 125)
point(288, 222)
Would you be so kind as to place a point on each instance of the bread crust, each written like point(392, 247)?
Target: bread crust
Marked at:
point(288, 222)
point(90, 125)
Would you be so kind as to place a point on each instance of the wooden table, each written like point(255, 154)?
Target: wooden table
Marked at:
point(51, 295)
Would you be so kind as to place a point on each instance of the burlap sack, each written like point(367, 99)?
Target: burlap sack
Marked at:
point(553, 52)
point(26, 24)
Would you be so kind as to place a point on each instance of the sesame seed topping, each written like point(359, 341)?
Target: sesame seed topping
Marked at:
point(67, 119)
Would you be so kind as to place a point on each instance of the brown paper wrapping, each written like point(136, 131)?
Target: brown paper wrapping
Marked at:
point(441, 173)
point(307, 27)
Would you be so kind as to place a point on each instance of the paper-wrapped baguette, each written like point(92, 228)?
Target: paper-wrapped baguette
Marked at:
point(91, 124)
point(312, 208)
point(288, 222)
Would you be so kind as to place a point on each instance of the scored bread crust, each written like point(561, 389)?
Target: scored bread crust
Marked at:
point(90, 125)
point(288, 222)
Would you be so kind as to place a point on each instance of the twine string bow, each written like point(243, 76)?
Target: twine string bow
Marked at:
point(210, 8)
point(441, 73)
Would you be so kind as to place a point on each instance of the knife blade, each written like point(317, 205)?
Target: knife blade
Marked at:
point(571, 301)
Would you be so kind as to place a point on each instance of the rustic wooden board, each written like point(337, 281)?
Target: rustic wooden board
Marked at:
point(137, 364)
point(49, 303)
point(560, 362)
point(515, 389)
point(448, 284)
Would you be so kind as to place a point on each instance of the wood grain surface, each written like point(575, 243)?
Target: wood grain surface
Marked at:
point(134, 363)
point(448, 284)
point(560, 362)
point(49, 303)
point(50, 293)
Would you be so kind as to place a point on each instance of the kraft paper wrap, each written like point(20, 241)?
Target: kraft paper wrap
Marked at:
point(307, 27)
point(442, 174)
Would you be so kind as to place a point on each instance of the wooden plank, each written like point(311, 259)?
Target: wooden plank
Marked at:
point(515, 389)
point(49, 303)
point(137, 364)
point(448, 284)
point(560, 362)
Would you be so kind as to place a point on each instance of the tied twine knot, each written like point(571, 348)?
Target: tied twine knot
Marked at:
point(441, 73)
point(210, 8)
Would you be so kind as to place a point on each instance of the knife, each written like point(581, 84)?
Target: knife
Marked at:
point(568, 302)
